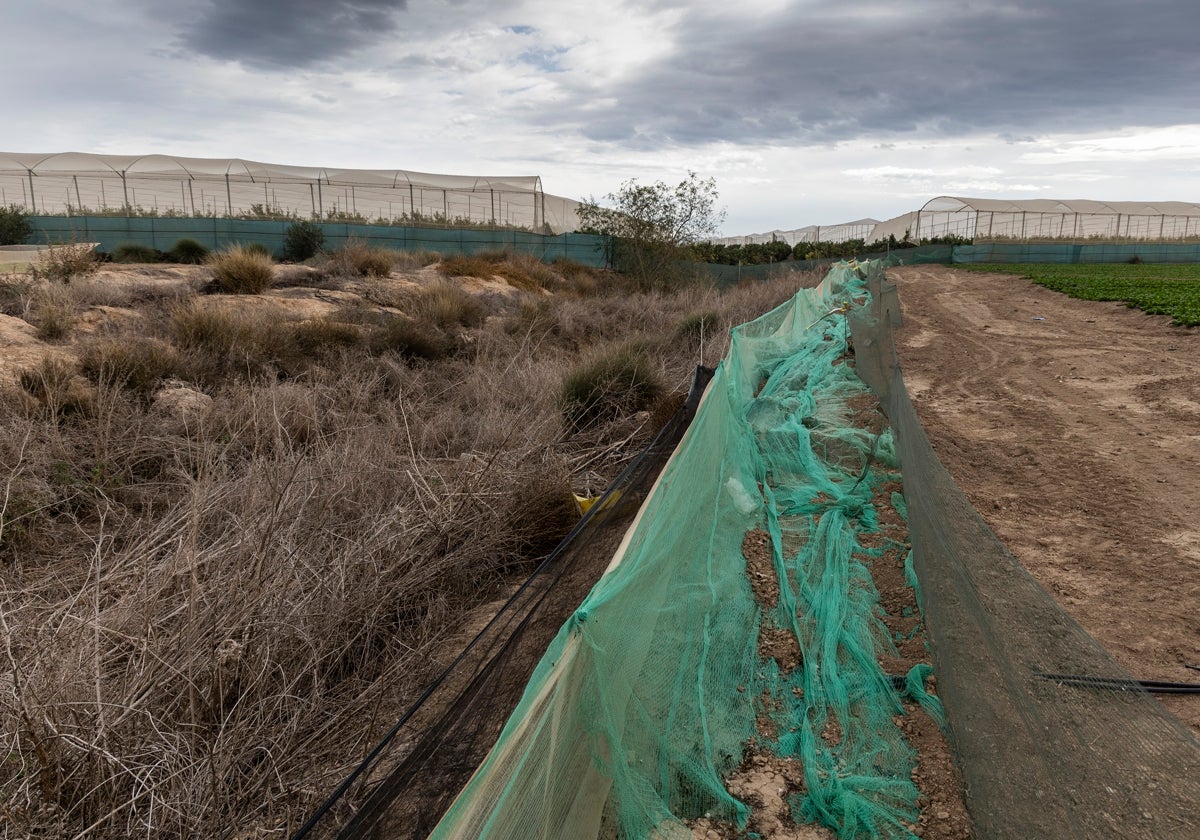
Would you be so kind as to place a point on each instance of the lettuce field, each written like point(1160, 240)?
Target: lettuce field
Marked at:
point(1158, 289)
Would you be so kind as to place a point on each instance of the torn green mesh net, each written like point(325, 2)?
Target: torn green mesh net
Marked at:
point(662, 683)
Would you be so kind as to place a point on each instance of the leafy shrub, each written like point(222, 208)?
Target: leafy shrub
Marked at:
point(14, 225)
point(188, 252)
point(131, 252)
point(133, 362)
point(302, 241)
point(63, 263)
point(608, 386)
point(238, 271)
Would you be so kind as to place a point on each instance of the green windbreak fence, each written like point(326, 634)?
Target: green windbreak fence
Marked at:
point(739, 624)
point(1057, 252)
point(162, 233)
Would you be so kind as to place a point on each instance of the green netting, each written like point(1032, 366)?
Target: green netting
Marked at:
point(212, 232)
point(658, 688)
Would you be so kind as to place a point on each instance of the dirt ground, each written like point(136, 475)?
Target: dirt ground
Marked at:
point(1074, 428)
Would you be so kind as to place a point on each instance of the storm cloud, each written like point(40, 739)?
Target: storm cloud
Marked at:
point(824, 72)
point(288, 33)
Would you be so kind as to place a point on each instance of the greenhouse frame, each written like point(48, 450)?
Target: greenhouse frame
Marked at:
point(75, 183)
point(1032, 220)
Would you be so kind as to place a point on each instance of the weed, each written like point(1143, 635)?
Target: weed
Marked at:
point(258, 248)
point(607, 386)
point(238, 271)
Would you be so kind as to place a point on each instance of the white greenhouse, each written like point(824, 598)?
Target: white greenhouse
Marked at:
point(77, 184)
point(1034, 220)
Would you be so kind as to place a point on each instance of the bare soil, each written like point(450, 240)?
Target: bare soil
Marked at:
point(1074, 428)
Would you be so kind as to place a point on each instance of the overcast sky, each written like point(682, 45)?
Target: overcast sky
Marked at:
point(805, 112)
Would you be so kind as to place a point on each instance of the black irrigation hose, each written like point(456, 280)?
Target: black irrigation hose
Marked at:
point(1118, 684)
point(700, 381)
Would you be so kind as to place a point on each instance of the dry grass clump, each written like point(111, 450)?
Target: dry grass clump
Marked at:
point(612, 383)
point(445, 304)
point(323, 335)
point(56, 384)
point(362, 260)
point(138, 363)
point(53, 312)
point(463, 266)
point(242, 271)
point(411, 339)
point(16, 295)
point(414, 260)
point(222, 343)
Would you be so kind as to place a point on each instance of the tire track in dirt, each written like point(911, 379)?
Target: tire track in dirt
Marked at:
point(1074, 428)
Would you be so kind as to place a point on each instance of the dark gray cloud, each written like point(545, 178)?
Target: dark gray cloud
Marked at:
point(824, 72)
point(277, 34)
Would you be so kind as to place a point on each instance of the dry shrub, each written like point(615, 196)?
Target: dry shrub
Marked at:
point(612, 383)
point(204, 628)
point(16, 295)
point(414, 260)
point(541, 512)
point(131, 252)
point(411, 339)
point(446, 304)
point(223, 343)
point(362, 260)
point(53, 312)
point(56, 385)
point(134, 362)
point(322, 335)
point(583, 280)
point(698, 325)
point(63, 263)
point(467, 267)
point(241, 271)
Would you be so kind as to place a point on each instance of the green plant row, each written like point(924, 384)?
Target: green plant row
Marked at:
point(758, 253)
point(1172, 290)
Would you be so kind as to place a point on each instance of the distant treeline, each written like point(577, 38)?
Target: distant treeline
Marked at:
point(772, 252)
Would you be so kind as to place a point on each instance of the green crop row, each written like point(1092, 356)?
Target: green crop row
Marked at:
point(1158, 289)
